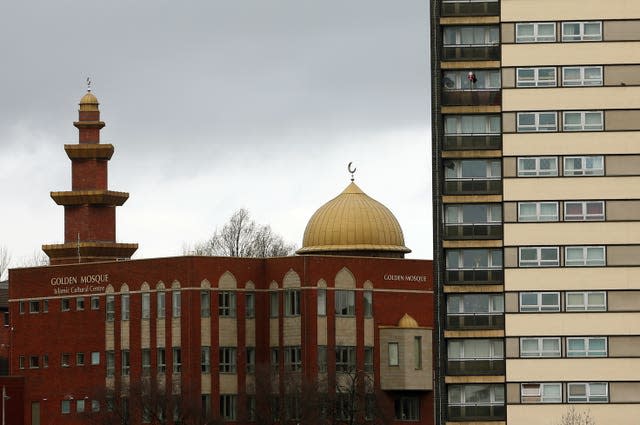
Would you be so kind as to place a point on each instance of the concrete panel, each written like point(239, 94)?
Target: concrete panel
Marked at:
point(508, 78)
point(570, 188)
point(616, 75)
point(624, 392)
point(558, 54)
point(109, 336)
point(145, 334)
point(508, 124)
point(346, 331)
point(205, 331)
point(623, 165)
point(541, 370)
point(622, 120)
point(322, 330)
point(511, 347)
point(624, 300)
point(175, 332)
point(508, 33)
point(124, 335)
point(513, 393)
point(274, 334)
point(510, 212)
point(567, 10)
point(509, 168)
point(624, 255)
point(624, 346)
point(575, 233)
point(250, 332)
point(559, 324)
point(228, 383)
point(511, 302)
point(292, 331)
point(569, 278)
point(227, 332)
point(623, 142)
point(621, 30)
point(205, 384)
point(511, 257)
point(582, 98)
point(369, 332)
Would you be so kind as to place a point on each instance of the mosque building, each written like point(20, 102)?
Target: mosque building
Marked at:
point(340, 333)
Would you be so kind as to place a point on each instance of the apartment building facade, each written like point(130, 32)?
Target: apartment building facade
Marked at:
point(536, 159)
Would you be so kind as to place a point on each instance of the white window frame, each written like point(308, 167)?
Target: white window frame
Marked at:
point(538, 171)
point(493, 262)
point(394, 354)
point(292, 302)
point(539, 392)
point(540, 351)
point(585, 261)
point(536, 37)
point(227, 360)
point(495, 397)
point(587, 351)
point(539, 215)
point(582, 79)
point(591, 396)
point(227, 304)
point(487, 80)
point(585, 304)
point(125, 307)
point(584, 215)
point(540, 305)
point(536, 81)
point(581, 36)
point(489, 30)
point(536, 126)
point(488, 128)
point(345, 302)
point(583, 125)
point(585, 168)
point(539, 262)
point(456, 349)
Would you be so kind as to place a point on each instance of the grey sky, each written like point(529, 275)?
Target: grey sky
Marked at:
point(213, 106)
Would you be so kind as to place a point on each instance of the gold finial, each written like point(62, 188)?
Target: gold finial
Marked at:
point(88, 84)
point(350, 170)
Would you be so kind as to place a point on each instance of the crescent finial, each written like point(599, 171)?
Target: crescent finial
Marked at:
point(352, 171)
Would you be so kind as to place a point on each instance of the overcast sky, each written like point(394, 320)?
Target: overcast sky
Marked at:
point(213, 106)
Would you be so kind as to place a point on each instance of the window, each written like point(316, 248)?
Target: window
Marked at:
point(45, 306)
point(175, 303)
point(472, 124)
point(576, 256)
point(95, 358)
point(535, 32)
point(482, 259)
point(227, 304)
point(345, 303)
point(275, 363)
point(539, 347)
point(95, 405)
point(34, 362)
point(473, 215)
point(581, 31)
point(45, 360)
point(407, 408)
point(581, 76)
point(540, 301)
point(228, 407)
point(293, 407)
point(583, 166)
point(587, 392)
point(582, 121)
point(251, 359)
point(394, 354)
point(126, 362)
point(205, 403)
point(475, 349)
point(470, 169)
point(476, 395)
point(322, 302)
point(475, 304)
point(177, 360)
point(227, 360)
point(34, 306)
point(146, 305)
point(584, 210)
point(367, 297)
point(205, 304)
point(111, 363)
point(541, 393)
point(417, 352)
point(488, 79)
point(537, 211)
point(250, 305)
point(21, 307)
point(95, 303)
point(65, 407)
point(536, 77)
point(80, 303)
point(368, 359)
point(21, 361)
point(538, 166)
point(251, 408)
point(538, 256)
point(80, 406)
point(65, 304)
point(65, 360)
point(274, 305)
point(125, 306)
point(146, 362)
point(161, 304)
point(293, 358)
point(587, 347)
point(205, 359)
point(79, 359)
point(322, 358)
point(468, 36)
point(586, 301)
point(162, 360)
point(292, 302)
point(536, 121)
point(111, 308)
point(345, 358)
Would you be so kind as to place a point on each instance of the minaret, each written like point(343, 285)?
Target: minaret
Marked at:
point(89, 207)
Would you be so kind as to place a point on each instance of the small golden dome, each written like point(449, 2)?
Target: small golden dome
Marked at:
point(407, 322)
point(355, 223)
point(89, 102)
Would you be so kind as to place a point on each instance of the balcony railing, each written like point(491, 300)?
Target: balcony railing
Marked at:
point(471, 97)
point(463, 321)
point(473, 231)
point(473, 186)
point(471, 52)
point(479, 411)
point(475, 367)
point(470, 8)
point(457, 142)
point(475, 276)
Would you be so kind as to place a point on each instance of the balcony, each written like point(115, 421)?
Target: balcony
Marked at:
point(470, 8)
point(474, 321)
point(459, 142)
point(471, 52)
point(473, 231)
point(472, 97)
point(480, 366)
point(476, 412)
point(474, 276)
point(473, 186)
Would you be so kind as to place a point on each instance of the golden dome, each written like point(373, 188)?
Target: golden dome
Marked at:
point(353, 223)
point(407, 322)
point(89, 102)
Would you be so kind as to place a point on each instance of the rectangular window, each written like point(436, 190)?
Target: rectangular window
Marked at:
point(80, 406)
point(45, 360)
point(111, 363)
point(474, 259)
point(345, 303)
point(537, 121)
point(540, 301)
point(292, 302)
point(34, 306)
point(21, 362)
point(538, 256)
point(228, 407)
point(65, 360)
point(473, 169)
point(251, 359)
point(488, 79)
point(292, 407)
point(21, 307)
point(146, 305)
point(205, 359)
point(541, 393)
point(345, 358)
point(227, 304)
point(584, 210)
point(475, 395)
point(175, 303)
point(471, 36)
point(586, 301)
point(322, 302)
point(536, 32)
point(162, 360)
point(126, 362)
point(475, 349)
point(95, 406)
point(407, 408)
point(582, 31)
point(576, 256)
point(538, 166)
point(537, 211)
point(65, 407)
point(95, 358)
point(95, 303)
point(79, 359)
point(587, 392)
point(80, 303)
point(111, 308)
point(584, 165)
point(34, 362)
point(536, 77)
point(125, 307)
point(582, 121)
point(322, 358)
point(472, 125)
point(394, 354)
point(251, 408)
point(227, 360)
point(368, 359)
point(587, 347)
point(146, 362)
point(250, 305)
point(177, 360)
point(475, 304)
point(205, 304)
point(161, 307)
point(539, 347)
point(581, 76)
point(45, 306)
point(275, 362)
point(274, 305)
point(368, 303)
point(417, 352)
point(65, 304)
point(293, 358)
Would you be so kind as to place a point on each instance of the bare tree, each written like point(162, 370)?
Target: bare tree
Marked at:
point(5, 259)
point(36, 259)
point(243, 237)
point(574, 417)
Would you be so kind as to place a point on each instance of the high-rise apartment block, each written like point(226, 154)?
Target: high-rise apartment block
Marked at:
point(536, 159)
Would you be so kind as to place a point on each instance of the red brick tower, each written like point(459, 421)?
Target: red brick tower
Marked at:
point(89, 207)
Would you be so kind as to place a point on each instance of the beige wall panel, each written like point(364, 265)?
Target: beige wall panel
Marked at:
point(508, 33)
point(614, 75)
point(322, 330)
point(508, 123)
point(627, 165)
point(537, 414)
point(292, 331)
point(205, 331)
point(109, 336)
point(508, 78)
point(205, 384)
point(513, 393)
point(509, 167)
point(345, 331)
point(175, 332)
point(574, 233)
point(250, 332)
point(569, 278)
point(569, 143)
point(622, 120)
point(510, 212)
point(624, 300)
point(543, 99)
point(624, 392)
point(621, 30)
point(124, 334)
point(558, 324)
point(145, 334)
point(511, 302)
point(624, 346)
point(369, 334)
point(161, 333)
point(227, 332)
point(345, 279)
point(524, 189)
point(565, 10)
point(624, 255)
point(623, 210)
point(523, 370)
point(511, 257)
point(291, 280)
point(274, 335)
point(555, 54)
point(511, 347)
point(228, 383)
